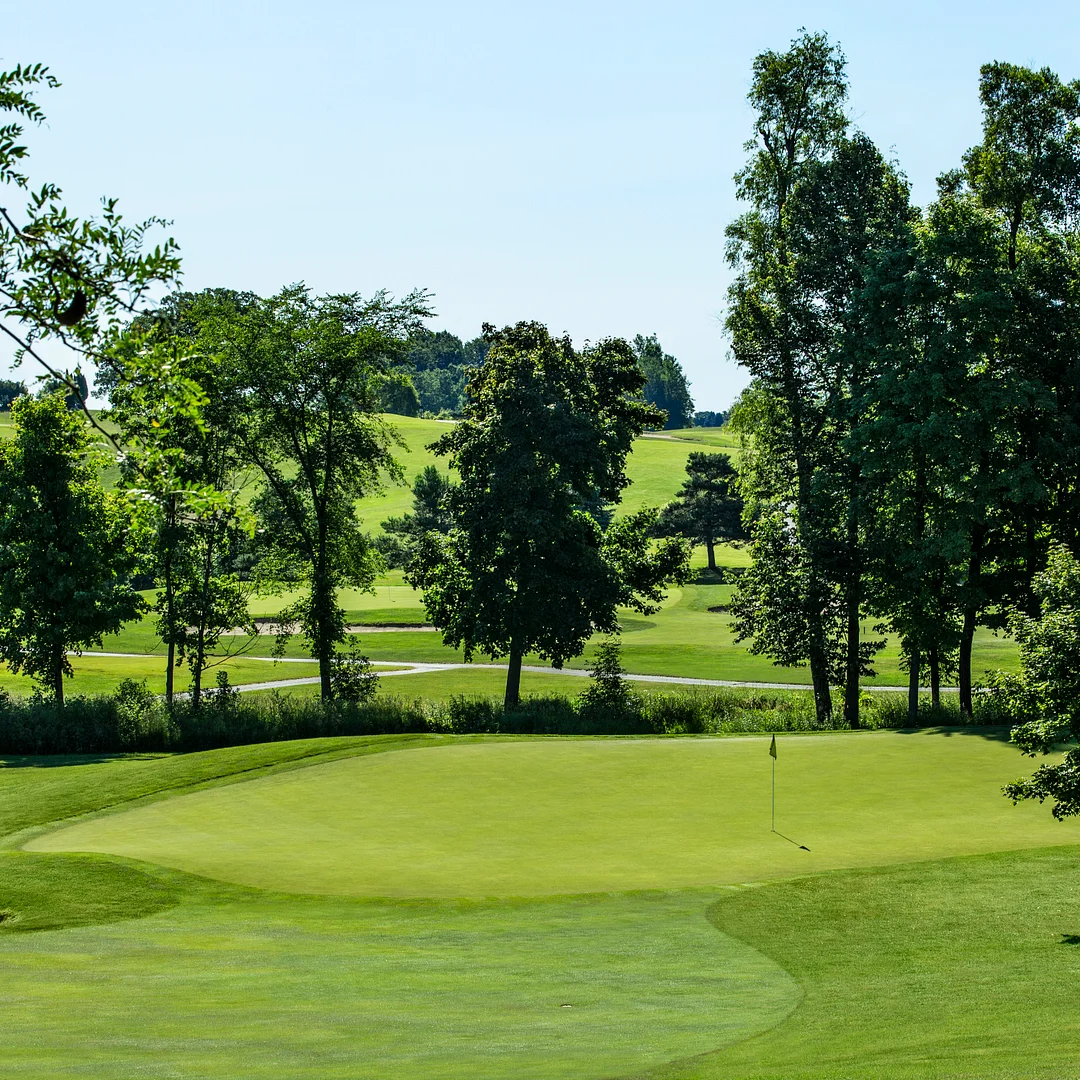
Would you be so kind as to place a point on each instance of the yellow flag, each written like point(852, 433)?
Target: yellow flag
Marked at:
point(772, 747)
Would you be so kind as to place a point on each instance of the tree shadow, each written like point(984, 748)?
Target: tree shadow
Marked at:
point(53, 761)
point(994, 732)
point(1070, 939)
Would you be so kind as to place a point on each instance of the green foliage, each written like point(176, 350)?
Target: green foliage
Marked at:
point(402, 536)
point(67, 547)
point(1046, 692)
point(441, 365)
point(526, 568)
point(666, 386)
point(397, 394)
point(304, 376)
point(708, 509)
point(708, 418)
point(608, 692)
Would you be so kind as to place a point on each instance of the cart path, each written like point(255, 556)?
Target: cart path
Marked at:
point(410, 667)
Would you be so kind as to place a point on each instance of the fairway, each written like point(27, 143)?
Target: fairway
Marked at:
point(286, 987)
point(535, 817)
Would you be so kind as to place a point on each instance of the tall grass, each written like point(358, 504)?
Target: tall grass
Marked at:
point(134, 720)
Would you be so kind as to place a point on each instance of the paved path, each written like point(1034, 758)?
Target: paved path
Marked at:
point(410, 667)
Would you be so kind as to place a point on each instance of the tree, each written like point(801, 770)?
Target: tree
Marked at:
point(708, 508)
point(1046, 693)
point(666, 386)
point(778, 335)
point(402, 536)
point(67, 547)
point(198, 600)
point(75, 282)
point(9, 391)
point(526, 567)
point(304, 375)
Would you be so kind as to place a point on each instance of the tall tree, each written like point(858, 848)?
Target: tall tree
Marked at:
point(708, 508)
point(67, 546)
point(798, 97)
point(305, 374)
point(526, 567)
point(666, 385)
point(197, 600)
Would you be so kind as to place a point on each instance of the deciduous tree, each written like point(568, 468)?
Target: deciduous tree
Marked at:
point(526, 567)
point(67, 547)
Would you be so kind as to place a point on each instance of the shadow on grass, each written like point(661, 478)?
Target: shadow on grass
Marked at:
point(994, 732)
point(53, 761)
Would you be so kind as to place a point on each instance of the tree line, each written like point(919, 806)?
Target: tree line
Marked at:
point(911, 433)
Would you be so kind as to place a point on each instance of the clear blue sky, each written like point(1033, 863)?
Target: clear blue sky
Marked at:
point(567, 162)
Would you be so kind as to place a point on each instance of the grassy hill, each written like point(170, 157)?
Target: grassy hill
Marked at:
point(657, 466)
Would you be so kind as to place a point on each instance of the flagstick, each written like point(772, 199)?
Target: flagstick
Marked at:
point(774, 794)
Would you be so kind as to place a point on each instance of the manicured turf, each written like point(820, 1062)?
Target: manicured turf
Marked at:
point(266, 986)
point(965, 968)
point(960, 967)
point(540, 817)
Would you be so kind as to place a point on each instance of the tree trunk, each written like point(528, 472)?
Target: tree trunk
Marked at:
point(322, 604)
point(170, 597)
point(709, 548)
point(853, 666)
point(935, 676)
point(913, 686)
point(971, 614)
point(196, 682)
point(513, 678)
point(851, 674)
point(58, 675)
point(819, 675)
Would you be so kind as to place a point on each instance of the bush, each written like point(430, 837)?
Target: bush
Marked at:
point(133, 719)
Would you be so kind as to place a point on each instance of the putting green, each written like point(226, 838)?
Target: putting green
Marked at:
point(284, 986)
point(537, 817)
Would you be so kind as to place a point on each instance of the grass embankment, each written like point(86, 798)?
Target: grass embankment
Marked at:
point(959, 967)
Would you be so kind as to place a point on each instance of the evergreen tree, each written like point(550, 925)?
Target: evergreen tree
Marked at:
point(666, 386)
point(708, 508)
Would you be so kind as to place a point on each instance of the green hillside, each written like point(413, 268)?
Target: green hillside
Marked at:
point(656, 468)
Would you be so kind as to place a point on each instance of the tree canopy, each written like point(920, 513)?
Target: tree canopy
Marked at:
point(525, 566)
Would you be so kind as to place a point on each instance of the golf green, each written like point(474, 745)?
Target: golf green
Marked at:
point(535, 817)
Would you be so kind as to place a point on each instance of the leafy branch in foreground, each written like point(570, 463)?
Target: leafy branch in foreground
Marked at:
point(1047, 690)
point(70, 285)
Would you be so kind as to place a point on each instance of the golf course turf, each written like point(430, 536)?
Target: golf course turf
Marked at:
point(492, 907)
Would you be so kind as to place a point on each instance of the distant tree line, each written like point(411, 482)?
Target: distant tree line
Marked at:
point(911, 433)
point(437, 366)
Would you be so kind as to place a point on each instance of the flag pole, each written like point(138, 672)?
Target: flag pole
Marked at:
point(772, 754)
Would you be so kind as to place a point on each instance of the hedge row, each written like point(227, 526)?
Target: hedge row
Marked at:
point(135, 720)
